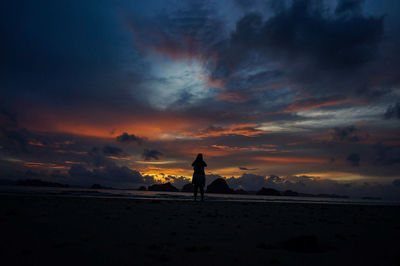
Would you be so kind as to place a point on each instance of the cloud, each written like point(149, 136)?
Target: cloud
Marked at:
point(345, 134)
point(354, 159)
point(393, 111)
point(79, 171)
point(304, 30)
point(349, 6)
point(291, 160)
point(178, 181)
point(102, 157)
point(181, 34)
point(283, 76)
point(311, 47)
point(16, 141)
point(8, 119)
point(247, 130)
point(386, 155)
point(313, 103)
point(129, 138)
point(110, 175)
point(113, 151)
point(253, 182)
point(151, 154)
point(246, 169)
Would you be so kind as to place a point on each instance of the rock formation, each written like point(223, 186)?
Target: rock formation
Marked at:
point(219, 185)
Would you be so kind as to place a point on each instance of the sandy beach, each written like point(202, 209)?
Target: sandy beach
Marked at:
point(55, 230)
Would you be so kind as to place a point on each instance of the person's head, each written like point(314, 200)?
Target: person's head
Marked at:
point(199, 157)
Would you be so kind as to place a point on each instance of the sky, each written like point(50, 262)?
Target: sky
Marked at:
point(301, 95)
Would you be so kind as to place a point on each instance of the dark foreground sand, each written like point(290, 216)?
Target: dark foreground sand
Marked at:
point(49, 230)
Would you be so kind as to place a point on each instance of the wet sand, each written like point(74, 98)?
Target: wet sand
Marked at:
point(53, 230)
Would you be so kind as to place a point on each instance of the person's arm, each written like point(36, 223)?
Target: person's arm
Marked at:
point(205, 165)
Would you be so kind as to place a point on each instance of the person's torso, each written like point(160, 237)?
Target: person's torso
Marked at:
point(199, 168)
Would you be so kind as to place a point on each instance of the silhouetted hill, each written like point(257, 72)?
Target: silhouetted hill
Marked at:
point(163, 187)
point(187, 188)
point(268, 192)
point(219, 185)
point(39, 183)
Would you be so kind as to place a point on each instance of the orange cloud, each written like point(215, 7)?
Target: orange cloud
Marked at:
point(44, 165)
point(126, 158)
point(247, 130)
point(292, 160)
point(108, 123)
point(312, 103)
point(74, 152)
point(160, 172)
point(238, 149)
point(36, 143)
point(232, 97)
point(72, 162)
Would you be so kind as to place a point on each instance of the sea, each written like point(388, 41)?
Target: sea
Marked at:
point(184, 196)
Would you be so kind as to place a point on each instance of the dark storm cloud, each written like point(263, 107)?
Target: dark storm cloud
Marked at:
point(79, 171)
point(310, 46)
point(149, 154)
point(346, 134)
point(386, 155)
point(8, 119)
point(303, 31)
point(129, 138)
point(185, 32)
point(244, 3)
point(260, 80)
point(15, 141)
point(12, 138)
point(393, 111)
point(77, 68)
point(58, 55)
point(95, 157)
point(345, 6)
point(113, 151)
point(354, 159)
point(109, 175)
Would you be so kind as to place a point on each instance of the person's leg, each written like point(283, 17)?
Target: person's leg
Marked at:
point(195, 191)
point(202, 192)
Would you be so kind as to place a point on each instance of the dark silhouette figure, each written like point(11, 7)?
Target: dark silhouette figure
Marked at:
point(199, 176)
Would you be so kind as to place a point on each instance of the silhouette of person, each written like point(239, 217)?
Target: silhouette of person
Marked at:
point(199, 176)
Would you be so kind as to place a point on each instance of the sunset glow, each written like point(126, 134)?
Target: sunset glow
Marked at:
point(127, 94)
